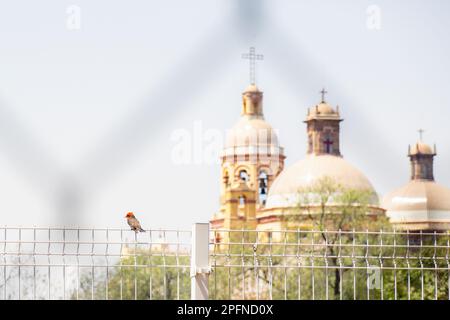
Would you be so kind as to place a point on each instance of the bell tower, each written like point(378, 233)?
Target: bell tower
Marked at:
point(251, 154)
point(421, 157)
point(250, 161)
point(323, 128)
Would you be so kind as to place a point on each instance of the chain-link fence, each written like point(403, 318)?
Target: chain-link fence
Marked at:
point(86, 263)
point(327, 265)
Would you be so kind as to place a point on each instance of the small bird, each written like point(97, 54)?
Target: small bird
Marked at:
point(134, 223)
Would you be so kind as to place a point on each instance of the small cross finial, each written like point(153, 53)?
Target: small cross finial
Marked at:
point(323, 92)
point(252, 57)
point(421, 131)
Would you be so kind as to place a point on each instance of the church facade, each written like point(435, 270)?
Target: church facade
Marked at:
point(257, 192)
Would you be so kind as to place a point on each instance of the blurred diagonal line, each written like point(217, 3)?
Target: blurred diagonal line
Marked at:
point(119, 148)
point(35, 163)
point(26, 152)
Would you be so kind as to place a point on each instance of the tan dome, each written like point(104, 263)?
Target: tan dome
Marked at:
point(304, 173)
point(418, 201)
point(252, 88)
point(323, 111)
point(324, 108)
point(421, 148)
point(251, 130)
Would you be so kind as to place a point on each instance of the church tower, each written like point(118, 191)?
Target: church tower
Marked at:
point(284, 208)
point(323, 129)
point(421, 157)
point(421, 204)
point(250, 162)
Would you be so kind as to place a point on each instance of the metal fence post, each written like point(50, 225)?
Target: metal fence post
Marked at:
point(200, 261)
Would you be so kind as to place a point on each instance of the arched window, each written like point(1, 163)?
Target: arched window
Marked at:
point(328, 143)
point(262, 190)
point(243, 175)
point(241, 200)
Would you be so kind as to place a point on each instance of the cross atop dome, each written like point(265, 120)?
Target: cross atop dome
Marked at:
point(252, 57)
point(420, 131)
point(323, 92)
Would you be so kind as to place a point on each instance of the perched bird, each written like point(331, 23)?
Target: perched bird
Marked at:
point(134, 223)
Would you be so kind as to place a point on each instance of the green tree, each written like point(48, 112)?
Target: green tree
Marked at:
point(140, 277)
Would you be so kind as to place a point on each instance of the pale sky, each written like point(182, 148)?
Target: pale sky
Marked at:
point(87, 114)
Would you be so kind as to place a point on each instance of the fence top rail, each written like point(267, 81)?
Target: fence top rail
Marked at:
point(304, 231)
point(343, 232)
point(74, 228)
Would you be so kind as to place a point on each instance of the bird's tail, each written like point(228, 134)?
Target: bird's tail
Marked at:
point(141, 230)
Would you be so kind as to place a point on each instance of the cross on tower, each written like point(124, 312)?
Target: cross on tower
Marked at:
point(323, 92)
point(421, 131)
point(328, 144)
point(252, 56)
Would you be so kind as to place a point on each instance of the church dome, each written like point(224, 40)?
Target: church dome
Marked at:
point(419, 201)
point(418, 195)
point(309, 170)
point(421, 204)
point(250, 131)
point(421, 148)
point(252, 88)
point(324, 108)
point(252, 134)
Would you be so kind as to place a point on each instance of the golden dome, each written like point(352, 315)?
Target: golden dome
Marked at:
point(418, 202)
point(421, 148)
point(252, 88)
point(323, 111)
point(306, 172)
point(252, 134)
point(249, 131)
point(324, 108)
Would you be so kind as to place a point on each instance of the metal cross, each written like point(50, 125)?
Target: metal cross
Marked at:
point(328, 144)
point(421, 131)
point(323, 92)
point(252, 56)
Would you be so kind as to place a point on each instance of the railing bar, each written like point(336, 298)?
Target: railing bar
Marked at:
point(121, 265)
point(107, 266)
point(4, 268)
point(78, 266)
point(135, 268)
point(19, 269)
point(150, 284)
point(92, 265)
point(49, 265)
point(64, 265)
point(178, 269)
point(34, 265)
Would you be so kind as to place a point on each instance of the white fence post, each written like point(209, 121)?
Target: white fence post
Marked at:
point(200, 261)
